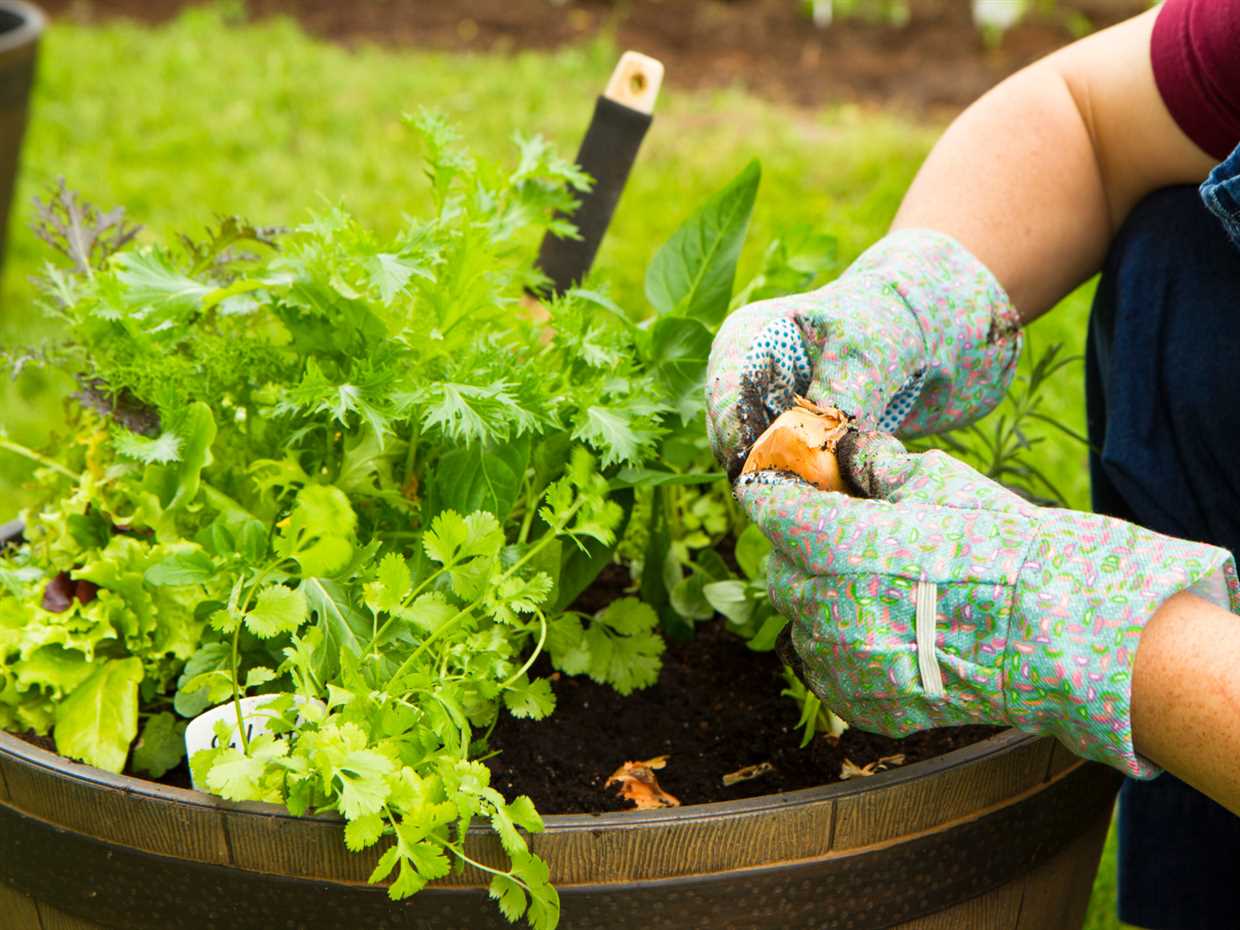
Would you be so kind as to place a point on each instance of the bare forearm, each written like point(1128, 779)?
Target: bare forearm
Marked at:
point(1186, 696)
point(1036, 176)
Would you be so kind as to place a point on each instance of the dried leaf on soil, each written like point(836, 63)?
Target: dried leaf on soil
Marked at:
point(748, 773)
point(638, 784)
point(850, 769)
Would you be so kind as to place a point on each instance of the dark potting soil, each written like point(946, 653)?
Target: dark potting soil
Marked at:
point(715, 709)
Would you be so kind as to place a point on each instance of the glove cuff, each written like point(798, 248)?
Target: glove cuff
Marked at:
point(1087, 589)
point(970, 332)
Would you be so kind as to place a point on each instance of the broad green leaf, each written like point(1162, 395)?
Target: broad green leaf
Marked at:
point(731, 599)
point(688, 599)
point(99, 720)
point(680, 348)
point(276, 610)
point(158, 450)
point(345, 628)
point(656, 477)
point(752, 549)
point(692, 274)
point(319, 531)
point(196, 430)
point(210, 658)
point(53, 667)
point(768, 633)
point(181, 568)
point(484, 476)
point(161, 747)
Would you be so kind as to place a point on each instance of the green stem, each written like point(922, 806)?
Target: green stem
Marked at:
point(542, 638)
point(18, 449)
point(542, 544)
point(235, 658)
point(460, 853)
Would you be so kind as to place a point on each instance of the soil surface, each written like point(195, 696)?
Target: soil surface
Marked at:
point(715, 709)
point(936, 61)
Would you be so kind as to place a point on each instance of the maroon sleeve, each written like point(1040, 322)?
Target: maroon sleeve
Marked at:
point(1196, 55)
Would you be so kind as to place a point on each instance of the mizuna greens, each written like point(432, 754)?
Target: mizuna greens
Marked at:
point(363, 476)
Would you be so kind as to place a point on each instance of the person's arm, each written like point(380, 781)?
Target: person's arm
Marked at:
point(1186, 696)
point(1036, 176)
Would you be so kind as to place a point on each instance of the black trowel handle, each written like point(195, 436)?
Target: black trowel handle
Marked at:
point(621, 117)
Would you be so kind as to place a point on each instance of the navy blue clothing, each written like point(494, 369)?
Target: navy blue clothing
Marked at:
point(1163, 400)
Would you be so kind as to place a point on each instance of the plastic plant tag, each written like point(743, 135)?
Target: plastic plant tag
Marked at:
point(201, 732)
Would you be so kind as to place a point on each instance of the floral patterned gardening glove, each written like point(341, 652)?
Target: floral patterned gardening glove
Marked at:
point(917, 336)
point(944, 599)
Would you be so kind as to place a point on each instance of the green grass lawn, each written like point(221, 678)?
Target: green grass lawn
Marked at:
point(206, 116)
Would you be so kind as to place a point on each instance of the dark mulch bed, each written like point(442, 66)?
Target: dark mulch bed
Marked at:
point(936, 61)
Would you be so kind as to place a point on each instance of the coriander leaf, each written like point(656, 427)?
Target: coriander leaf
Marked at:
point(277, 610)
point(98, 721)
point(258, 676)
point(532, 700)
point(408, 882)
point(692, 274)
point(363, 786)
point(236, 776)
point(509, 895)
point(429, 860)
point(523, 813)
point(386, 863)
point(629, 616)
point(390, 586)
point(161, 746)
point(363, 832)
point(428, 612)
point(567, 645)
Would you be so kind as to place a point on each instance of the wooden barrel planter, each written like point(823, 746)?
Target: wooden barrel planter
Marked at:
point(1003, 835)
point(20, 27)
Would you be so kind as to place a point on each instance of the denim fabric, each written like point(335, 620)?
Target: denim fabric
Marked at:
point(1221, 193)
point(1163, 396)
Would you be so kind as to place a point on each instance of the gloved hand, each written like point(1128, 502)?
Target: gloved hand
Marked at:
point(915, 337)
point(945, 599)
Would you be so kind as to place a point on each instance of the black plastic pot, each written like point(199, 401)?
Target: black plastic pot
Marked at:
point(1001, 835)
point(21, 24)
